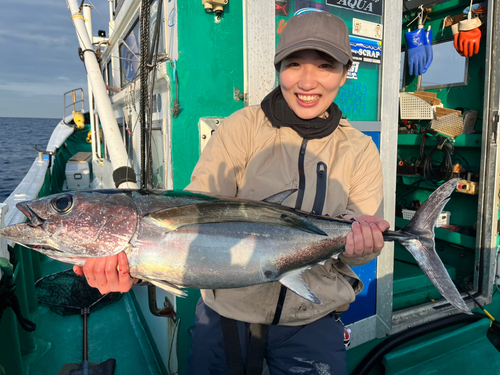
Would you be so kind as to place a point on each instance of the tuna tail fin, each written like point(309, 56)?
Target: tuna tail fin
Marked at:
point(418, 238)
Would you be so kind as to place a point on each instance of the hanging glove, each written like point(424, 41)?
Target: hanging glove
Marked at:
point(416, 51)
point(428, 49)
point(470, 36)
point(470, 41)
point(456, 38)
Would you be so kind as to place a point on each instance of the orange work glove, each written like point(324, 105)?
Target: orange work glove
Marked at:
point(470, 36)
point(456, 39)
point(470, 41)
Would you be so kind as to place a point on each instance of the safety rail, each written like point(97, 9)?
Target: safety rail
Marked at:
point(74, 102)
point(4, 253)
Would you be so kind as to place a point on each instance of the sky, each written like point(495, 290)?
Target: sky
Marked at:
point(39, 56)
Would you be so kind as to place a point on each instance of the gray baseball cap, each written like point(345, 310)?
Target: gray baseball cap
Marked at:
point(320, 31)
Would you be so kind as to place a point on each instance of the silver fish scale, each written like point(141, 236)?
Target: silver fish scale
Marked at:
point(228, 255)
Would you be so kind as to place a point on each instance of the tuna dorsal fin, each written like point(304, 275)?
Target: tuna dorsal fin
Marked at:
point(294, 282)
point(280, 197)
point(231, 211)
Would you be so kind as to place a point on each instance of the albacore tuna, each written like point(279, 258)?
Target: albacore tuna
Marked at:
point(180, 239)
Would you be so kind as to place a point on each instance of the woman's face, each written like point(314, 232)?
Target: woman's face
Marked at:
point(309, 82)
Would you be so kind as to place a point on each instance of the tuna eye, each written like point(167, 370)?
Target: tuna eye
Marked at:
point(62, 204)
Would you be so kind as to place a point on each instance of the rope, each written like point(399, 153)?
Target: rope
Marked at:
point(152, 60)
point(144, 86)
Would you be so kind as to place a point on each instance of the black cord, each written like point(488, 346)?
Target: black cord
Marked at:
point(436, 172)
point(153, 55)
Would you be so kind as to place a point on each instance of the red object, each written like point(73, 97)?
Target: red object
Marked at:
point(347, 337)
point(469, 42)
point(456, 44)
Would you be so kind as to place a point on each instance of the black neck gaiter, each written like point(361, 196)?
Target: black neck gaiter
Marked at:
point(279, 113)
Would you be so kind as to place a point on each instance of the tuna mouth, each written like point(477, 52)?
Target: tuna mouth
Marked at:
point(45, 249)
point(35, 220)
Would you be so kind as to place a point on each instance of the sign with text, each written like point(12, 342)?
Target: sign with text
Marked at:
point(365, 6)
point(366, 50)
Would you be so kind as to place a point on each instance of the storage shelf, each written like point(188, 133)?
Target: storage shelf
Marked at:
point(445, 235)
point(463, 140)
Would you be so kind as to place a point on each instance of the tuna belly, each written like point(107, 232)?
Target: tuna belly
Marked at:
point(226, 255)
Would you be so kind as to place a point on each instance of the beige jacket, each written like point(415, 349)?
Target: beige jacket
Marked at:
point(248, 158)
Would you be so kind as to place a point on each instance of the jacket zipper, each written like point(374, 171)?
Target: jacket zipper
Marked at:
point(302, 175)
point(319, 200)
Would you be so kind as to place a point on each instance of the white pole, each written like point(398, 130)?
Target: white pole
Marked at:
point(114, 143)
point(87, 14)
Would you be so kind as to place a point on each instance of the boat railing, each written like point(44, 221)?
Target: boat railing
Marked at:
point(74, 102)
point(4, 253)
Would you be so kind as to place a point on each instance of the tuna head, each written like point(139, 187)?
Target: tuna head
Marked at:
point(80, 224)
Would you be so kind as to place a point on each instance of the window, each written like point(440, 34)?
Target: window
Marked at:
point(129, 55)
point(448, 68)
point(152, 26)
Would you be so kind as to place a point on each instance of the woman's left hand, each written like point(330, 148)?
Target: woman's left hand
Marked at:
point(365, 238)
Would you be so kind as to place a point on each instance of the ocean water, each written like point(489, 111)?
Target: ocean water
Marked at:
point(17, 138)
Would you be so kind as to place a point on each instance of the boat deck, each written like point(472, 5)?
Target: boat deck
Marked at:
point(115, 331)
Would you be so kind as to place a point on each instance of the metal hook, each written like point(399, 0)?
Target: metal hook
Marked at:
point(418, 17)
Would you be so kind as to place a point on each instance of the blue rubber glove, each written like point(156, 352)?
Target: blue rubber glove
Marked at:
point(428, 49)
point(416, 51)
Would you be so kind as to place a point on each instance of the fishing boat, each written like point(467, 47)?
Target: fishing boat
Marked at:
point(165, 75)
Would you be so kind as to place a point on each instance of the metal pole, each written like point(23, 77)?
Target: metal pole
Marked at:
point(87, 14)
point(114, 142)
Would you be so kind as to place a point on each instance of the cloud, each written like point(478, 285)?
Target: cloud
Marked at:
point(39, 59)
point(56, 88)
point(33, 39)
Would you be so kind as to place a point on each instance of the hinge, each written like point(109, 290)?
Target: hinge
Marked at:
point(494, 124)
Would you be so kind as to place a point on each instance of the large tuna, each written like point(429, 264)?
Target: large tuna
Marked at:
point(178, 239)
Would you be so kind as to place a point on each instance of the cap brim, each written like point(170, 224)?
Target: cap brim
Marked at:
point(329, 49)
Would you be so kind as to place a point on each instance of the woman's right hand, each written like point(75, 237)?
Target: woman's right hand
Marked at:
point(104, 274)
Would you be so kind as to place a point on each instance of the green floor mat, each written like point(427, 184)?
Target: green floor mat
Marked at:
point(115, 332)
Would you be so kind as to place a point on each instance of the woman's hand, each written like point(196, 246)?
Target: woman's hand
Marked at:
point(365, 238)
point(103, 274)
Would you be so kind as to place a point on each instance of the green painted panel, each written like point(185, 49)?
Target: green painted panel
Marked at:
point(463, 140)
point(209, 68)
point(357, 354)
point(463, 351)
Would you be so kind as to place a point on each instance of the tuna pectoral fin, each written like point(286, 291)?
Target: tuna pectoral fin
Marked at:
point(230, 211)
point(166, 286)
point(294, 282)
point(280, 197)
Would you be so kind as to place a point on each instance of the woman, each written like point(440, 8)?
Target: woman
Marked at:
point(295, 139)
